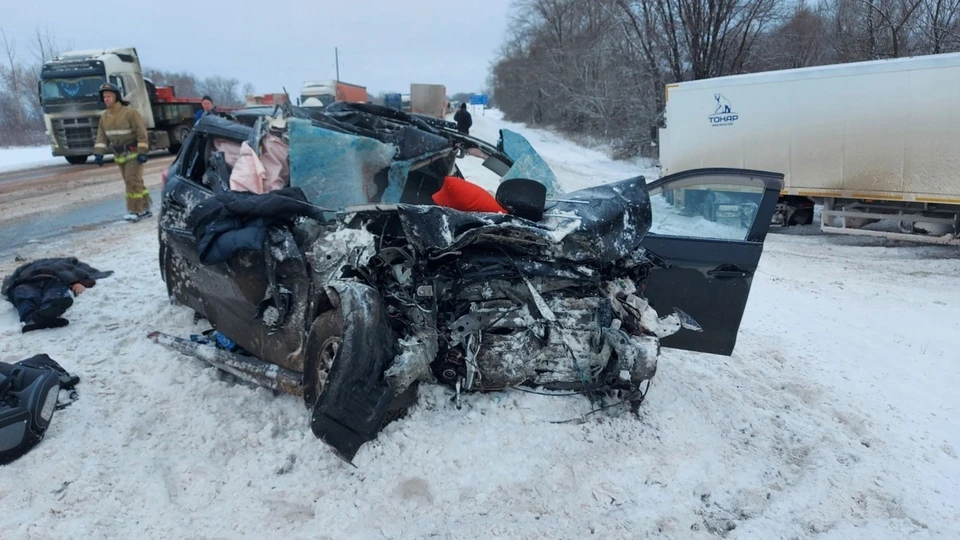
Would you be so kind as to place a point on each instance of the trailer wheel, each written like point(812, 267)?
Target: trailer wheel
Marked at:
point(707, 210)
point(77, 160)
point(178, 135)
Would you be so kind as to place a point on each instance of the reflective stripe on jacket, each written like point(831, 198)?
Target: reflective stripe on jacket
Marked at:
point(121, 128)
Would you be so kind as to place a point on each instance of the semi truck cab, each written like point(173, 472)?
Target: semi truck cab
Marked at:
point(69, 94)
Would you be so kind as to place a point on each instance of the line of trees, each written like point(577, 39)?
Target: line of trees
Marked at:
point(21, 116)
point(225, 91)
point(599, 67)
point(21, 119)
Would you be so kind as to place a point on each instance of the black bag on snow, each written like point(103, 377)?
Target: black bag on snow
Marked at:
point(29, 391)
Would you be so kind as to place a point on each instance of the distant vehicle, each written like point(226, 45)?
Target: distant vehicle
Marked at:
point(333, 91)
point(870, 141)
point(69, 94)
point(256, 100)
point(428, 99)
point(393, 101)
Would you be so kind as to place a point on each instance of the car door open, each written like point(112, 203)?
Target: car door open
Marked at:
point(709, 226)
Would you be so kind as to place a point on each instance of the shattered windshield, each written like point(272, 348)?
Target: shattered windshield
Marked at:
point(72, 88)
point(527, 163)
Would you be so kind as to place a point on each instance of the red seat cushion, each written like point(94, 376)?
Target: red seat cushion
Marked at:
point(465, 196)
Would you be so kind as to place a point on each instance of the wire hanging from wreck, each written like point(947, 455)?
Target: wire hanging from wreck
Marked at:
point(633, 402)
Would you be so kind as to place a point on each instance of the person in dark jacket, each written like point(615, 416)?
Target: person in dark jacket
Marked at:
point(208, 108)
point(41, 290)
point(463, 119)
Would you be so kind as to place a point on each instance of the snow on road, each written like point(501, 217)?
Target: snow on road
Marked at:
point(27, 157)
point(836, 417)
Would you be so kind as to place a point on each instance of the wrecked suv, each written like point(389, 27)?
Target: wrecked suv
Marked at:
point(357, 287)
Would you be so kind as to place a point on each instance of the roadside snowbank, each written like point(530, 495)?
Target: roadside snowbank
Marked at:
point(835, 418)
point(26, 157)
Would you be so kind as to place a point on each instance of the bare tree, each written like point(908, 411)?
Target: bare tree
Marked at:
point(45, 46)
point(248, 90)
point(21, 121)
point(800, 40)
point(13, 79)
point(223, 90)
point(184, 84)
point(938, 26)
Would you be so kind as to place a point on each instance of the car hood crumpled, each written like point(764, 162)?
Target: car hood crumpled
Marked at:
point(606, 223)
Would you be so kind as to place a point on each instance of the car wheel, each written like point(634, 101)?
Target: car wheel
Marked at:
point(355, 401)
point(323, 345)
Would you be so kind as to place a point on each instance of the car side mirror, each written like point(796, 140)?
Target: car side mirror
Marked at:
point(522, 198)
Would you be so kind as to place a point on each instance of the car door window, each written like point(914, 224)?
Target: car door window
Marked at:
point(716, 207)
point(708, 226)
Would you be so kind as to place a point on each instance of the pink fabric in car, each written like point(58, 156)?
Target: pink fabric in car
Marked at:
point(249, 173)
point(265, 173)
point(275, 160)
point(230, 149)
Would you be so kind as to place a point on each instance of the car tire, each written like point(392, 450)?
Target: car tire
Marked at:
point(356, 401)
point(323, 344)
point(77, 160)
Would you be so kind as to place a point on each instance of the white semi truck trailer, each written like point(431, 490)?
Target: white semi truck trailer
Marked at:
point(870, 141)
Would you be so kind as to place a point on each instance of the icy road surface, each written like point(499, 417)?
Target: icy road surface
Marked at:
point(835, 418)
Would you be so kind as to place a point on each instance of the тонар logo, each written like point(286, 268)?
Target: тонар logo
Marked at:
point(723, 114)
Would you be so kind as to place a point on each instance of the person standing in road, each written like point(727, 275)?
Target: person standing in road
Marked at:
point(208, 108)
point(463, 119)
point(123, 132)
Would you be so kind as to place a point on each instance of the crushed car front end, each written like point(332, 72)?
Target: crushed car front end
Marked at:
point(362, 288)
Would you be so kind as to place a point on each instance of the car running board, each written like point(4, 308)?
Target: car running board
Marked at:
point(248, 368)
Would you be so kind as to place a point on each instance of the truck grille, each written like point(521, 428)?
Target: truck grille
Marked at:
point(76, 133)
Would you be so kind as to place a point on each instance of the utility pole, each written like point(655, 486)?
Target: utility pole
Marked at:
point(336, 53)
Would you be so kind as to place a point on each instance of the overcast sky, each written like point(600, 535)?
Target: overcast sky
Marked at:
point(384, 45)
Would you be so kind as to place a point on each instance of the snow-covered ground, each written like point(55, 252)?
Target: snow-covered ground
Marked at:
point(836, 417)
point(574, 166)
point(27, 157)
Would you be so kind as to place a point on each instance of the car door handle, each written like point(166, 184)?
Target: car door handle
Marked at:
point(729, 273)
